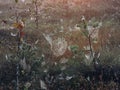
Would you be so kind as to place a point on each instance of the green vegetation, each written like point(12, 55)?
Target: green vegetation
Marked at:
point(59, 45)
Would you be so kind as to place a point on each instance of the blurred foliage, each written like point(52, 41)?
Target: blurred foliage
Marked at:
point(73, 74)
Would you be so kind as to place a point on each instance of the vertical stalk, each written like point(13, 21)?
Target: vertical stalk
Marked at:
point(17, 73)
point(36, 14)
point(88, 36)
point(89, 40)
point(18, 47)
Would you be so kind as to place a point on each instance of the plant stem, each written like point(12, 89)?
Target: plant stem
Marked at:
point(90, 44)
point(36, 14)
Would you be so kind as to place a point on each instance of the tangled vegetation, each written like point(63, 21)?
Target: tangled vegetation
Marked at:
point(60, 45)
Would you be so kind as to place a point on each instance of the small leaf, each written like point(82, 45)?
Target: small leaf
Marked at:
point(15, 25)
point(95, 40)
point(74, 48)
point(12, 34)
point(85, 33)
point(18, 26)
